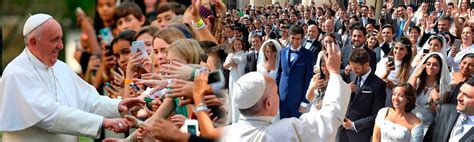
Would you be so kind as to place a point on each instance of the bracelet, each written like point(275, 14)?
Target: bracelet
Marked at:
point(192, 74)
point(127, 81)
point(201, 107)
point(199, 25)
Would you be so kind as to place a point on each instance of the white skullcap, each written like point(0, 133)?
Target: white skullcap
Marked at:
point(34, 21)
point(249, 89)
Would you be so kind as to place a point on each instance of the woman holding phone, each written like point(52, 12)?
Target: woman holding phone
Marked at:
point(436, 43)
point(459, 50)
point(395, 69)
point(318, 84)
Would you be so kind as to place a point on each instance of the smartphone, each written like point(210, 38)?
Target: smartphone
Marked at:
point(106, 35)
point(216, 80)
point(215, 77)
point(134, 87)
point(109, 51)
point(426, 51)
point(391, 59)
point(457, 44)
point(139, 46)
point(109, 85)
point(213, 8)
point(191, 126)
point(321, 74)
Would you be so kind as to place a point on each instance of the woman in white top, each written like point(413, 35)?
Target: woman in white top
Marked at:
point(268, 58)
point(235, 62)
point(397, 123)
point(430, 79)
point(395, 69)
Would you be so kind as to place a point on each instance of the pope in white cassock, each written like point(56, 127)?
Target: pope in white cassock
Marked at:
point(258, 102)
point(42, 99)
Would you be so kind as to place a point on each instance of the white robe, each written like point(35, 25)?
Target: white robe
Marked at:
point(41, 103)
point(319, 125)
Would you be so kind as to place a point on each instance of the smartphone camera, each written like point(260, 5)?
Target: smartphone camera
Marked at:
point(134, 87)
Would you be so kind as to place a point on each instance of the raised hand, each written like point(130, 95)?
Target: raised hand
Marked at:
point(181, 88)
point(177, 70)
point(333, 59)
point(178, 120)
point(128, 103)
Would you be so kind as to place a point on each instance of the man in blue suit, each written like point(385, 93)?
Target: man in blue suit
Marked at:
point(294, 75)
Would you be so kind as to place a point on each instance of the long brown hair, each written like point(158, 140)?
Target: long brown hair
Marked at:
point(404, 71)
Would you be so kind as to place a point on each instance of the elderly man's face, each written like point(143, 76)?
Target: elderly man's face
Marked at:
point(313, 32)
point(48, 42)
point(466, 99)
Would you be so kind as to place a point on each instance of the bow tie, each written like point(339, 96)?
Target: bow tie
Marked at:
point(309, 41)
point(294, 51)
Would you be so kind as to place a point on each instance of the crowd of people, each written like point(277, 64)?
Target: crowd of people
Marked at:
point(277, 72)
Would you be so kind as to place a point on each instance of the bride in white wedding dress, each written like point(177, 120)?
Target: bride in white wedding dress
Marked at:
point(268, 58)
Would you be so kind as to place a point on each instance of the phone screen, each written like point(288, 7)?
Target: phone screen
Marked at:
point(192, 129)
point(214, 77)
point(139, 46)
point(106, 35)
point(457, 44)
point(426, 50)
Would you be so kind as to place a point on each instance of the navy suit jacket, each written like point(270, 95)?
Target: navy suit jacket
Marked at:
point(364, 105)
point(293, 79)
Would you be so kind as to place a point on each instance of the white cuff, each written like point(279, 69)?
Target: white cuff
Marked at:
point(303, 104)
point(354, 127)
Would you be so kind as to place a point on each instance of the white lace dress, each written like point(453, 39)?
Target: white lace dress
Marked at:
point(392, 132)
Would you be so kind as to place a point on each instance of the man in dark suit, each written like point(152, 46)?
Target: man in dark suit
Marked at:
point(294, 75)
point(358, 41)
point(455, 122)
point(388, 33)
point(252, 55)
point(364, 16)
point(311, 42)
point(367, 98)
point(307, 18)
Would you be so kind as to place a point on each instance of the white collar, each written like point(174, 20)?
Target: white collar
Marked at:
point(353, 46)
point(364, 77)
point(35, 61)
point(297, 49)
point(266, 119)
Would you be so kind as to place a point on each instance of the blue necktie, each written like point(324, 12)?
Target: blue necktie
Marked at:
point(400, 30)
